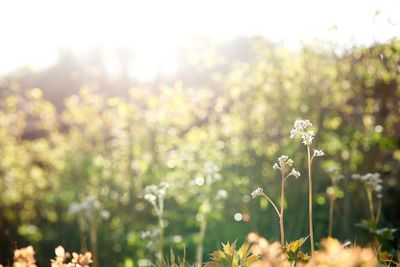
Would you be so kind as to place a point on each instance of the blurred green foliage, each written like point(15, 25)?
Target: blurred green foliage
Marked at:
point(234, 116)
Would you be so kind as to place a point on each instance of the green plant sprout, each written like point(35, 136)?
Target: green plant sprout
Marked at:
point(307, 136)
point(284, 165)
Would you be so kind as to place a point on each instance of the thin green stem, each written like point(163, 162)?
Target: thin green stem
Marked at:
point(161, 225)
point(93, 240)
point(378, 214)
point(310, 203)
point(331, 208)
point(202, 234)
point(282, 210)
point(279, 216)
point(272, 203)
point(371, 204)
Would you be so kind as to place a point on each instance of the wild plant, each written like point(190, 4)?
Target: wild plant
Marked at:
point(335, 254)
point(88, 213)
point(373, 187)
point(25, 257)
point(301, 128)
point(284, 166)
point(211, 172)
point(230, 256)
point(155, 194)
point(78, 260)
point(372, 184)
point(332, 193)
point(269, 254)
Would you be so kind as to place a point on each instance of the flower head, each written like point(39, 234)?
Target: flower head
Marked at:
point(152, 192)
point(258, 192)
point(283, 162)
point(300, 128)
point(150, 198)
point(295, 173)
point(371, 181)
point(318, 153)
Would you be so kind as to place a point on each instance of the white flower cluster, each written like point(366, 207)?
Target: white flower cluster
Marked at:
point(258, 192)
point(300, 127)
point(284, 162)
point(294, 173)
point(89, 206)
point(318, 153)
point(152, 192)
point(372, 181)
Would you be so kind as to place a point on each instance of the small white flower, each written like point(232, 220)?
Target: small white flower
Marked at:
point(307, 137)
point(276, 167)
point(378, 188)
point(356, 176)
point(293, 133)
point(156, 190)
point(151, 198)
point(294, 173)
point(151, 189)
point(318, 153)
point(258, 192)
point(282, 159)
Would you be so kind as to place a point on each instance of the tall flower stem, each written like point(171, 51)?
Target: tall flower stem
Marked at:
point(93, 240)
point(310, 203)
point(202, 234)
point(279, 216)
point(272, 203)
point(371, 205)
point(378, 214)
point(161, 225)
point(331, 208)
point(282, 210)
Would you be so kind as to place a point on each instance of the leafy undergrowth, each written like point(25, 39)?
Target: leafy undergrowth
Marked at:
point(264, 254)
point(256, 252)
point(25, 257)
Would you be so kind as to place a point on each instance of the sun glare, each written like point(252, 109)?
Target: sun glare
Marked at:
point(34, 31)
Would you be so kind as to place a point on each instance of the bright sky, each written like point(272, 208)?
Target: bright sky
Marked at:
point(33, 31)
